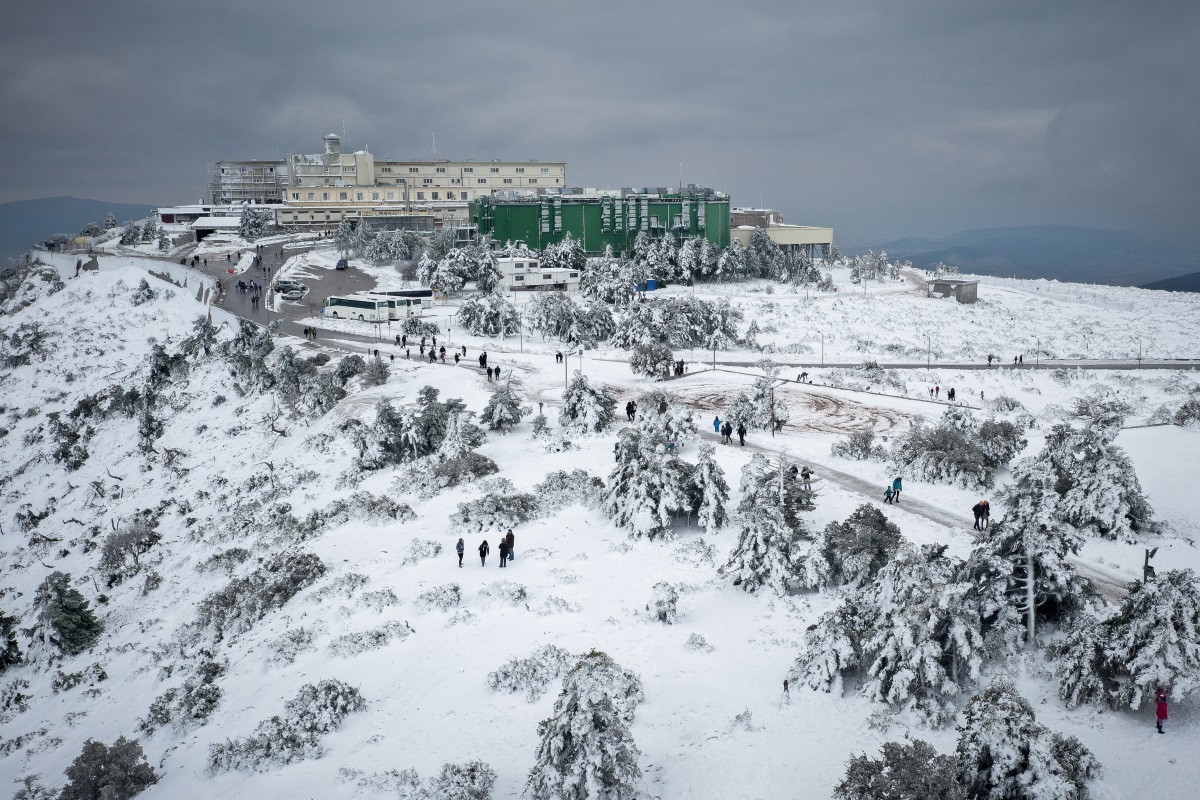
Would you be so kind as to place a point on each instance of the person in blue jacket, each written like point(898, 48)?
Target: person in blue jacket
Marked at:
point(716, 424)
point(897, 487)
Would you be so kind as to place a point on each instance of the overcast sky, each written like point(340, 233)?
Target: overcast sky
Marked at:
point(880, 118)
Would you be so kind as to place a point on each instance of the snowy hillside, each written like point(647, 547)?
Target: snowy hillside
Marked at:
point(264, 531)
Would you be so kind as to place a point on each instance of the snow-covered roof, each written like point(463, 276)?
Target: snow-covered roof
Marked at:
point(217, 222)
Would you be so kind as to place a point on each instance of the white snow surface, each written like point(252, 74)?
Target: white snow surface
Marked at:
point(427, 695)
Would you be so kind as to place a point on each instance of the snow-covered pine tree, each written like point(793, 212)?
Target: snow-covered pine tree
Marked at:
point(110, 222)
point(10, 650)
point(852, 553)
point(552, 314)
point(586, 747)
point(710, 492)
point(1079, 664)
point(774, 539)
point(593, 325)
point(489, 314)
point(732, 262)
point(1004, 753)
point(504, 406)
point(654, 360)
point(376, 373)
point(1154, 641)
point(255, 222)
point(909, 770)
point(150, 231)
point(101, 772)
point(65, 620)
point(584, 409)
point(379, 249)
point(461, 436)
point(426, 267)
point(648, 485)
point(343, 237)
point(130, 235)
point(487, 269)
point(741, 411)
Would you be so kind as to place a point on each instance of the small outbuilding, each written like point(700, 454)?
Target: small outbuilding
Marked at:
point(964, 291)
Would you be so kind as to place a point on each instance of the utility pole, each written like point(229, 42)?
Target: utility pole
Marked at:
point(822, 334)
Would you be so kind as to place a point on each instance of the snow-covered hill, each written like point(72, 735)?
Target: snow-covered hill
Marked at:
point(259, 559)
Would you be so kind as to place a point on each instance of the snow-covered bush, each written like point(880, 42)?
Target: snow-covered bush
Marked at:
point(653, 359)
point(226, 561)
point(189, 706)
point(563, 488)
point(285, 649)
point(440, 598)
point(909, 770)
point(65, 620)
point(493, 511)
point(421, 549)
point(586, 747)
point(121, 552)
point(859, 446)
point(376, 372)
point(504, 593)
point(470, 781)
point(65, 681)
point(10, 650)
point(143, 294)
point(351, 644)
point(584, 409)
point(531, 675)
point(504, 406)
point(378, 600)
point(13, 700)
point(489, 314)
point(246, 600)
point(1004, 753)
point(315, 711)
point(102, 772)
point(1102, 409)
point(852, 553)
point(958, 450)
point(697, 644)
point(663, 605)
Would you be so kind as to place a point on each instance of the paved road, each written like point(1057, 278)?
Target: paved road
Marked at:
point(1045, 364)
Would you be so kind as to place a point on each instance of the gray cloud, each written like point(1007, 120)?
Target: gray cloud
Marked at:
point(879, 118)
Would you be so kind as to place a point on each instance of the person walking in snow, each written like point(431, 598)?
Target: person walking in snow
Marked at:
point(897, 487)
point(888, 494)
point(497, 371)
point(510, 541)
point(459, 548)
point(489, 372)
point(806, 476)
point(742, 433)
point(484, 357)
point(727, 433)
point(716, 424)
point(483, 553)
point(1160, 713)
point(937, 390)
point(977, 510)
point(456, 358)
point(987, 514)
point(950, 394)
point(480, 359)
point(502, 549)
point(464, 351)
point(629, 411)
point(432, 356)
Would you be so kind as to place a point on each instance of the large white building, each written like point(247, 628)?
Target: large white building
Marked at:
point(525, 275)
point(322, 188)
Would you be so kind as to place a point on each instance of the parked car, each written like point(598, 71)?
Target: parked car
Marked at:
point(289, 286)
point(343, 264)
point(293, 295)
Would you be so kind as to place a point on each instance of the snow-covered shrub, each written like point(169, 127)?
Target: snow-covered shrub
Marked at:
point(376, 372)
point(489, 314)
point(121, 552)
point(421, 549)
point(315, 711)
point(909, 770)
point(343, 586)
point(189, 706)
point(649, 484)
point(1154, 641)
point(697, 644)
point(13, 700)
point(586, 747)
point(65, 681)
point(663, 605)
point(1002, 404)
point(1187, 414)
point(504, 592)
point(584, 409)
point(285, 649)
point(1079, 665)
point(246, 600)
point(226, 561)
point(1003, 752)
point(859, 446)
point(349, 366)
point(531, 675)
point(652, 359)
point(378, 600)
point(102, 772)
point(958, 450)
point(493, 511)
point(65, 620)
point(440, 598)
point(569, 487)
point(851, 553)
point(351, 644)
point(470, 781)
point(466, 468)
point(774, 539)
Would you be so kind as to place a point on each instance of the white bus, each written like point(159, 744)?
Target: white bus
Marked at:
point(409, 302)
point(359, 307)
point(399, 308)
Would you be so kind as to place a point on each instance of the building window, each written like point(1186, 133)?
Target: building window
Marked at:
point(463, 195)
point(495, 170)
point(426, 181)
point(440, 170)
point(508, 180)
point(574, 274)
point(433, 195)
point(518, 277)
point(520, 170)
point(545, 170)
point(295, 195)
point(455, 181)
point(414, 169)
point(468, 169)
point(358, 196)
point(324, 195)
point(420, 195)
point(374, 195)
point(481, 180)
point(312, 195)
point(391, 195)
point(533, 180)
point(385, 169)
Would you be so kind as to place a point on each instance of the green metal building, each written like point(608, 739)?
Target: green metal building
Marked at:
point(598, 221)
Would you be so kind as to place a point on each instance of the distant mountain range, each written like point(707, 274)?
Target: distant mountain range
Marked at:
point(1059, 252)
point(1182, 283)
point(25, 222)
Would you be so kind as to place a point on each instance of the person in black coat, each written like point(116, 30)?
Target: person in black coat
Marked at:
point(502, 549)
point(978, 510)
point(510, 540)
point(483, 553)
point(742, 434)
point(459, 548)
point(727, 433)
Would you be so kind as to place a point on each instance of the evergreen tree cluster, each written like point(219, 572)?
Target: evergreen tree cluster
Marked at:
point(489, 314)
point(400, 436)
point(586, 410)
point(103, 772)
point(256, 222)
point(556, 315)
point(958, 450)
point(679, 322)
point(65, 619)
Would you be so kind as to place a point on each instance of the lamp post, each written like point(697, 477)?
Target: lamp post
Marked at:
point(1139, 351)
point(822, 335)
point(928, 351)
point(1037, 354)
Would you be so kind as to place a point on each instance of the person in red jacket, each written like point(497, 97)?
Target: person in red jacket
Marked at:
point(1161, 713)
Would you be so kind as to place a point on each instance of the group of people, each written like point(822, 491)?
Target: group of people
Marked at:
point(1018, 361)
point(310, 334)
point(506, 549)
point(891, 493)
point(725, 429)
point(631, 410)
point(983, 514)
point(935, 392)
